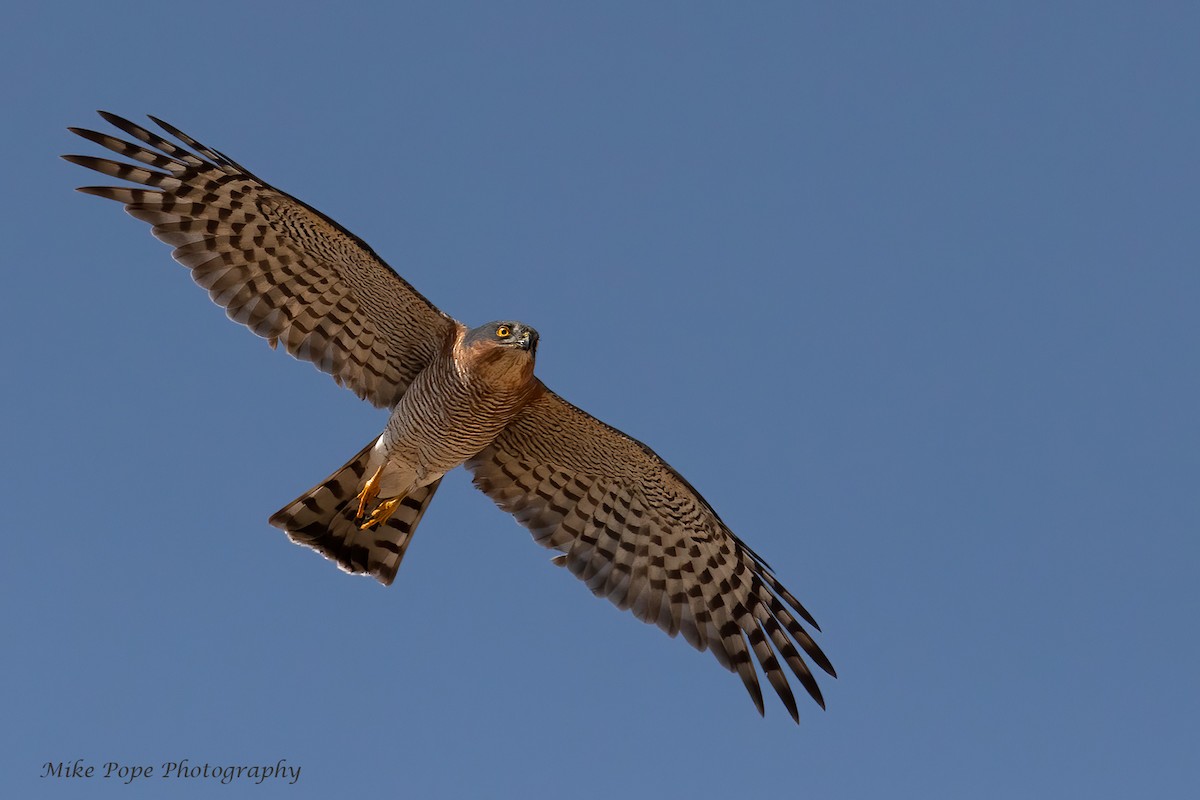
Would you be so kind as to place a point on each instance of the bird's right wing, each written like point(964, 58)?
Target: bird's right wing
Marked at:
point(277, 265)
point(637, 533)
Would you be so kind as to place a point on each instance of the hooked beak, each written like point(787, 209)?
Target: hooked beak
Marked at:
point(527, 342)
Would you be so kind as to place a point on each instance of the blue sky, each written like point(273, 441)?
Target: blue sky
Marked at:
point(908, 291)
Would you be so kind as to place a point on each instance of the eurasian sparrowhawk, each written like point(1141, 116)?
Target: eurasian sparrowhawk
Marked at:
point(620, 518)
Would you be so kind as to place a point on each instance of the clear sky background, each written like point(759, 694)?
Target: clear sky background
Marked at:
point(908, 290)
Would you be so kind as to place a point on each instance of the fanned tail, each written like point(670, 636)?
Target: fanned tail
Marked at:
point(325, 519)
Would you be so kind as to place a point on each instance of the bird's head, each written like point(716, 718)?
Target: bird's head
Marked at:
point(504, 348)
point(505, 334)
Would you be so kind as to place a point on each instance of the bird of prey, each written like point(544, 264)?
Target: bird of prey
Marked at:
point(620, 518)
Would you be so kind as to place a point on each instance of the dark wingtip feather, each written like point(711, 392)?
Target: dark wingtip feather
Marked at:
point(756, 696)
point(800, 609)
point(820, 659)
point(115, 119)
point(809, 682)
point(171, 129)
point(784, 691)
point(750, 679)
point(769, 661)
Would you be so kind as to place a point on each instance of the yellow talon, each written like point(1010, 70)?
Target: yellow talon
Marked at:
point(370, 491)
point(382, 512)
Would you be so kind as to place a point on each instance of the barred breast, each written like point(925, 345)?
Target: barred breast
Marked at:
point(454, 408)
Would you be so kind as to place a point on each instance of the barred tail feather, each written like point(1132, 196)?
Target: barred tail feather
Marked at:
point(324, 518)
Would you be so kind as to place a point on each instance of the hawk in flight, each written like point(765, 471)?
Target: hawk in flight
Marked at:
point(620, 518)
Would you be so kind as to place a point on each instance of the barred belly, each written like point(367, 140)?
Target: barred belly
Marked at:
point(444, 418)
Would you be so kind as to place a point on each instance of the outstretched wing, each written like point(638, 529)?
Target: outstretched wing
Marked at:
point(638, 533)
point(278, 266)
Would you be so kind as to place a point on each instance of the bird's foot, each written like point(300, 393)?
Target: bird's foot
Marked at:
point(382, 512)
point(370, 491)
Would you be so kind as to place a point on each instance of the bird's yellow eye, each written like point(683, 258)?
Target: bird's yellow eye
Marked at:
point(503, 332)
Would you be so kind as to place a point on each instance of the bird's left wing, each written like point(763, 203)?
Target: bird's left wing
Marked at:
point(278, 266)
point(637, 533)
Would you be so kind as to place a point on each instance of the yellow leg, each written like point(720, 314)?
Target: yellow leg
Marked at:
point(370, 491)
point(382, 512)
